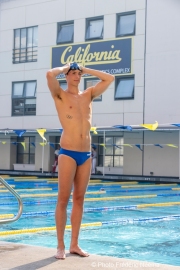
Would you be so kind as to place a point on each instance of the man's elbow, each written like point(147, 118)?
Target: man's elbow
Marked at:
point(111, 78)
point(49, 74)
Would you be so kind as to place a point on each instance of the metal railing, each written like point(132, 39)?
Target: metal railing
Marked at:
point(16, 195)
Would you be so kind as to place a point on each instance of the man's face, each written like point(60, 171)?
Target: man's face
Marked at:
point(74, 77)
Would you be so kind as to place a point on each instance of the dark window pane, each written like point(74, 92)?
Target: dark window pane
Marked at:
point(30, 89)
point(18, 89)
point(17, 106)
point(23, 38)
point(126, 25)
point(17, 38)
point(94, 29)
point(118, 161)
point(125, 88)
point(32, 159)
point(25, 45)
point(65, 33)
point(25, 155)
point(30, 106)
point(90, 83)
point(63, 85)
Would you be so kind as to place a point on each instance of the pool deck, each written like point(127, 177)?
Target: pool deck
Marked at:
point(25, 257)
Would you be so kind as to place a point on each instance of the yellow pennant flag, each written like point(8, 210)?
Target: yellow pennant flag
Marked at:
point(43, 143)
point(3, 142)
point(128, 145)
point(41, 133)
point(102, 144)
point(24, 145)
point(94, 130)
point(150, 126)
point(172, 145)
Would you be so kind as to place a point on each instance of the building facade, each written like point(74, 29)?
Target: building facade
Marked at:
point(137, 41)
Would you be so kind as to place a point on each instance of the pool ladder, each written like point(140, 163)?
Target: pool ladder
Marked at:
point(16, 195)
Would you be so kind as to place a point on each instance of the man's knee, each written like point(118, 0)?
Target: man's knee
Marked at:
point(63, 202)
point(78, 199)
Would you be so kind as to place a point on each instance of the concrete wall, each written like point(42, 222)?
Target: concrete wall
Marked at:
point(162, 62)
point(19, 14)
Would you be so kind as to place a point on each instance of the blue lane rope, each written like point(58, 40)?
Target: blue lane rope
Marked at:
point(55, 201)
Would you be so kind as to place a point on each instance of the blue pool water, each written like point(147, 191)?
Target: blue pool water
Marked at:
point(135, 233)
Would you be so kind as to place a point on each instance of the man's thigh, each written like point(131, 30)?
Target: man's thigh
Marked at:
point(66, 173)
point(82, 178)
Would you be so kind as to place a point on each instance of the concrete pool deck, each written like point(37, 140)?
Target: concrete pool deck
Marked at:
point(25, 257)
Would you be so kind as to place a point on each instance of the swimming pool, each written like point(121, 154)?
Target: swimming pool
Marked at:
point(133, 220)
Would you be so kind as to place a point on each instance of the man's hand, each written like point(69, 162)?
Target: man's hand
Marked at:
point(66, 68)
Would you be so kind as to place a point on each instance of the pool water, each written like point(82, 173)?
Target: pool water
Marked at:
point(129, 237)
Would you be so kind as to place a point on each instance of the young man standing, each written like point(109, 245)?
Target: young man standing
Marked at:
point(74, 163)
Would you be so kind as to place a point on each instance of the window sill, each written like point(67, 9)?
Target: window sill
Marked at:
point(24, 167)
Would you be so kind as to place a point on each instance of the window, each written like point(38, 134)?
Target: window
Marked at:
point(113, 156)
point(94, 28)
point(126, 24)
point(91, 82)
point(25, 45)
point(24, 98)
point(63, 84)
point(124, 87)
point(26, 150)
point(65, 32)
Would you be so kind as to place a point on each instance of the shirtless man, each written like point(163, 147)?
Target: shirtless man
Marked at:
point(74, 163)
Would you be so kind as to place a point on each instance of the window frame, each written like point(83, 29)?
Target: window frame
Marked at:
point(97, 99)
point(88, 20)
point(118, 15)
point(117, 79)
point(62, 81)
point(29, 154)
point(26, 48)
point(23, 97)
point(59, 24)
point(100, 156)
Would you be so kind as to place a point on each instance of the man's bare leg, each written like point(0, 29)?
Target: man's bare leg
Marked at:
point(80, 185)
point(66, 172)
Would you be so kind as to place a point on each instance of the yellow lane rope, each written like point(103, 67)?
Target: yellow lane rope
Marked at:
point(55, 194)
point(153, 185)
point(13, 186)
point(35, 230)
point(25, 177)
point(158, 204)
point(28, 189)
point(175, 188)
point(30, 180)
point(7, 216)
point(119, 197)
point(38, 195)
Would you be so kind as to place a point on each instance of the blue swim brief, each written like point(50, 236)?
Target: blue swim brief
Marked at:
point(79, 157)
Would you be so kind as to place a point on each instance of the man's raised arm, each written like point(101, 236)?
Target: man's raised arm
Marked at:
point(53, 83)
point(100, 87)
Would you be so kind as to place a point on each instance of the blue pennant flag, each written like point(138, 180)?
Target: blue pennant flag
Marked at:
point(15, 143)
point(158, 145)
point(19, 132)
point(123, 127)
point(177, 125)
point(138, 146)
point(117, 146)
point(32, 143)
point(52, 145)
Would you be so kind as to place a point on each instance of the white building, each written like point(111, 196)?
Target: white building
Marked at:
point(137, 41)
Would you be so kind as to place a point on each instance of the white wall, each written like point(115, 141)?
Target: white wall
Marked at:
point(162, 62)
point(46, 14)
